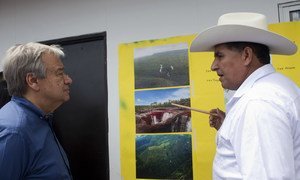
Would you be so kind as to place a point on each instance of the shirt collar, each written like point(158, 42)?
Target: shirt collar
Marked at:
point(248, 83)
point(256, 75)
point(29, 105)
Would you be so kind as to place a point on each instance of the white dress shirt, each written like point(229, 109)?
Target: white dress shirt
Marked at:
point(260, 136)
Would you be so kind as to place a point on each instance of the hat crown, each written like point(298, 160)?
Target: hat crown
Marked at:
point(242, 27)
point(255, 20)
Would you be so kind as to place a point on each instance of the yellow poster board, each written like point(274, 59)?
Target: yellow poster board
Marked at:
point(288, 65)
point(205, 93)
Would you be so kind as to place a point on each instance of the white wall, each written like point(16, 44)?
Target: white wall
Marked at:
point(124, 21)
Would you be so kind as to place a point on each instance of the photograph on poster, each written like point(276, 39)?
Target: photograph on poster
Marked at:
point(161, 66)
point(164, 156)
point(154, 112)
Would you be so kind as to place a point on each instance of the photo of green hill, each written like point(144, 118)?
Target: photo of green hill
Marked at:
point(162, 66)
point(164, 156)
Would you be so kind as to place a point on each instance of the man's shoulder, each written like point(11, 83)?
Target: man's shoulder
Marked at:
point(276, 84)
point(276, 89)
point(12, 116)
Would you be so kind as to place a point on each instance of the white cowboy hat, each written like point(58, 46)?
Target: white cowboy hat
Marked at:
point(242, 27)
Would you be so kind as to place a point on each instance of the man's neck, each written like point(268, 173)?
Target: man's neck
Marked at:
point(40, 102)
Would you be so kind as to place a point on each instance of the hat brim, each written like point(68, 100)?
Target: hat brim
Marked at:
point(207, 39)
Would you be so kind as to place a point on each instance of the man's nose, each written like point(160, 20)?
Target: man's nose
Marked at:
point(68, 79)
point(214, 65)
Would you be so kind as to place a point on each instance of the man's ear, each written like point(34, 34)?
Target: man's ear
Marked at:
point(247, 55)
point(32, 81)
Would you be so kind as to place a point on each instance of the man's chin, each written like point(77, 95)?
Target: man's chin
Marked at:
point(224, 85)
point(67, 98)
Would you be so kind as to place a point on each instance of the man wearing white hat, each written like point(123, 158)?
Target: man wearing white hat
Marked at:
point(260, 136)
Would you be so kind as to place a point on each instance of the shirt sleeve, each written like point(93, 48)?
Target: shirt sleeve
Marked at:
point(264, 143)
point(13, 156)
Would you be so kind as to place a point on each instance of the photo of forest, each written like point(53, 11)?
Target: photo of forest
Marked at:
point(161, 66)
point(155, 114)
point(164, 157)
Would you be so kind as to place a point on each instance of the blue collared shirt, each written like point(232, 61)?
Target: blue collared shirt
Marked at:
point(29, 148)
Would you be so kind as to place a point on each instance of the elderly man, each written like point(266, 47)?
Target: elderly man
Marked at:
point(260, 136)
point(38, 84)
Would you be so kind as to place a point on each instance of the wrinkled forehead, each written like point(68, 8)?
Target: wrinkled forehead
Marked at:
point(52, 61)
